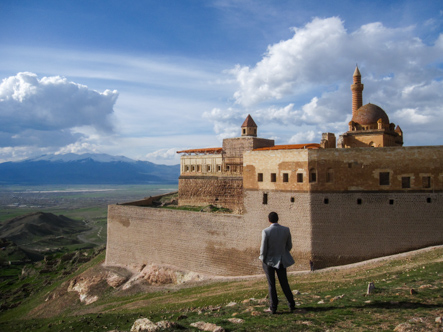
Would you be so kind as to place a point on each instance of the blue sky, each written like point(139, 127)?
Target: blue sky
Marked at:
point(144, 79)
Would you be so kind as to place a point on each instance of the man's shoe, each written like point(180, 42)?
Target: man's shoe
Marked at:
point(269, 310)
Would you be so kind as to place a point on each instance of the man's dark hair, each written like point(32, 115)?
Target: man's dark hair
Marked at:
point(273, 217)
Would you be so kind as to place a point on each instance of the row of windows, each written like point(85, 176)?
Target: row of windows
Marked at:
point(384, 178)
point(359, 201)
point(209, 169)
point(198, 168)
point(285, 176)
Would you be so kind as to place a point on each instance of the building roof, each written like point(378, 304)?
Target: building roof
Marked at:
point(369, 114)
point(249, 122)
point(203, 151)
point(290, 147)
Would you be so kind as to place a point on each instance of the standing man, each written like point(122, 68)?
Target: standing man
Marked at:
point(275, 255)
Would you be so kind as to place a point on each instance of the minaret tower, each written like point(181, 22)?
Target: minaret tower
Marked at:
point(249, 128)
point(357, 91)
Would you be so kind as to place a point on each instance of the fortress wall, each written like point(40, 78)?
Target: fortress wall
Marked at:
point(356, 169)
point(209, 243)
point(293, 210)
point(219, 191)
point(344, 231)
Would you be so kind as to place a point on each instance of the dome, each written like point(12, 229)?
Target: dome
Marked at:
point(369, 114)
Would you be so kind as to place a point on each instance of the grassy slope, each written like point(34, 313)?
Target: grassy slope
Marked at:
point(390, 305)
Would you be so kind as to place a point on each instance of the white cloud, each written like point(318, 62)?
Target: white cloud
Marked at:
point(226, 122)
point(44, 112)
point(164, 155)
point(293, 66)
point(310, 74)
point(79, 148)
point(304, 137)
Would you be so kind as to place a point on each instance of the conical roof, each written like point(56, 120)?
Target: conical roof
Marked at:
point(249, 122)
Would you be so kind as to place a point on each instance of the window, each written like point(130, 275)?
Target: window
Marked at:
point(193, 168)
point(285, 177)
point(244, 131)
point(186, 168)
point(292, 199)
point(312, 175)
point(359, 201)
point(265, 198)
point(406, 182)
point(300, 177)
point(326, 201)
point(426, 182)
point(384, 178)
point(273, 177)
point(218, 168)
point(260, 177)
point(391, 202)
point(329, 175)
point(428, 200)
point(198, 168)
point(208, 168)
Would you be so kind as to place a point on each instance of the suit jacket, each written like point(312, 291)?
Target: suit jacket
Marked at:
point(275, 246)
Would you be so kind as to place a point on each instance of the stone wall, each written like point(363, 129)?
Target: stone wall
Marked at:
point(221, 191)
point(345, 215)
point(340, 228)
point(209, 243)
point(351, 227)
point(294, 212)
point(356, 169)
point(330, 228)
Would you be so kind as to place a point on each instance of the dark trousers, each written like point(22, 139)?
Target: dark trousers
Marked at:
point(283, 280)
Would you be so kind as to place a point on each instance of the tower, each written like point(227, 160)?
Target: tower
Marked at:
point(357, 91)
point(249, 128)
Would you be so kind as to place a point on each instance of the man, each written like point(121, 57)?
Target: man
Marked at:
point(275, 255)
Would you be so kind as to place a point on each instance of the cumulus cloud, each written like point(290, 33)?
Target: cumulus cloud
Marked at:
point(45, 112)
point(226, 122)
point(305, 80)
point(78, 148)
point(164, 155)
point(294, 64)
point(304, 137)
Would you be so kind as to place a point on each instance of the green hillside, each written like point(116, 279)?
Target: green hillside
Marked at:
point(42, 232)
point(408, 296)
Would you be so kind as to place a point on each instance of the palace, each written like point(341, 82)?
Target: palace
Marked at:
point(357, 197)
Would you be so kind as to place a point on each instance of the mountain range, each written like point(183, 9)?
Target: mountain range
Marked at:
point(86, 169)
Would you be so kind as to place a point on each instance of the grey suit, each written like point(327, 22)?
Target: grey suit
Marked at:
point(275, 254)
point(275, 246)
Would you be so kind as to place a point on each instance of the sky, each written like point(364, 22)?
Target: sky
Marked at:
point(146, 78)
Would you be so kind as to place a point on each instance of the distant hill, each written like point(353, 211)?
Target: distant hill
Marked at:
point(86, 169)
point(40, 226)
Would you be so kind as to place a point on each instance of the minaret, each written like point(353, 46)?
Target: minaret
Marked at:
point(249, 128)
point(357, 91)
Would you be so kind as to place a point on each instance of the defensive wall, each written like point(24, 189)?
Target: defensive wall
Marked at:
point(222, 191)
point(209, 243)
point(346, 206)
